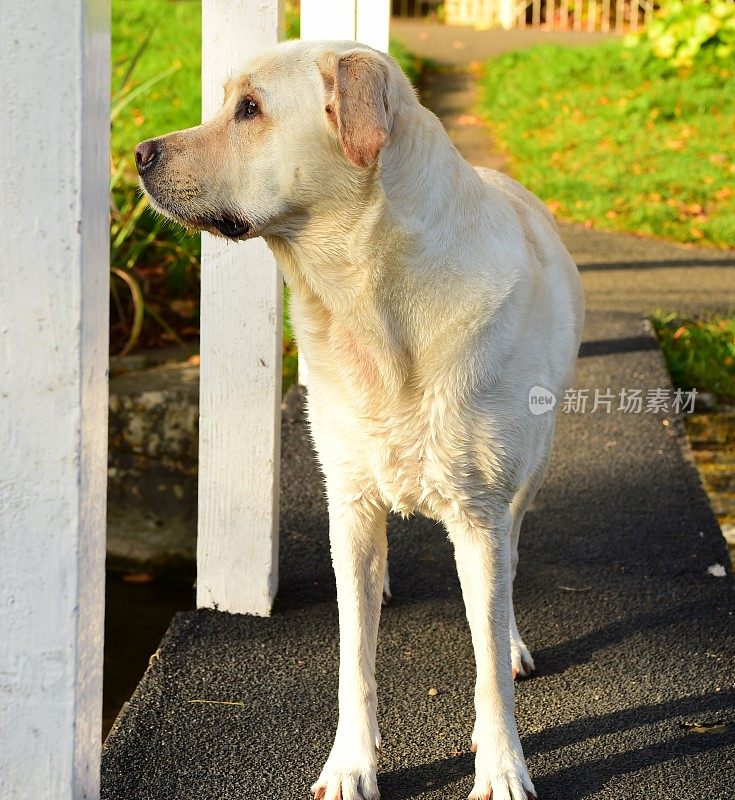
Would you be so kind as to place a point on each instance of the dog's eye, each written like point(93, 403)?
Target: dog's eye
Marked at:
point(247, 108)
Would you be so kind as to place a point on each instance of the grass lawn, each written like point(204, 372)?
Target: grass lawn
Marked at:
point(613, 138)
point(700, 353)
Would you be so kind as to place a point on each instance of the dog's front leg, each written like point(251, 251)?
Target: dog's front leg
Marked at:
point(359, 548)
point(483, 559)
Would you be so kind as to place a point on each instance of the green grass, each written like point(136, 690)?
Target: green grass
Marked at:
point(618, 140)
point(173, 33)
point(700, 353)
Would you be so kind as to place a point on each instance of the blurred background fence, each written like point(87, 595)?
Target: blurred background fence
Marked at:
point(558, 15)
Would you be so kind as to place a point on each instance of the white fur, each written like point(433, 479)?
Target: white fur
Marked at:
point(428, 299)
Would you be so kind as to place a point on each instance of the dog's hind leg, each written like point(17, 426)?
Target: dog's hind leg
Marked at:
point(387, 595)
point(521, 659)
point(482, 552)
point(357, 533)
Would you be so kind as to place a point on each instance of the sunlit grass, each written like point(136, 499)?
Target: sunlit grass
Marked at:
point(612, 138)
point(700, 353)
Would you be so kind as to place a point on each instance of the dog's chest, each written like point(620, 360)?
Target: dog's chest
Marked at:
point(411, 440)
point(414, 453)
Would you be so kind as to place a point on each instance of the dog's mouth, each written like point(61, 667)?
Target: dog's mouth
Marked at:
point(230, 226)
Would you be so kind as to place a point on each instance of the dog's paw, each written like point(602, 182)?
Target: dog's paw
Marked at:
point(521, 660)
point(511, 785)
point(503, 788)
point(500, 768)
point(352, 785)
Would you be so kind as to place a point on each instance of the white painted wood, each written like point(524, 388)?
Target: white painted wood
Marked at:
point(373, 23)
point(329, 19)
point(54, 300)
point(241, 351)
point(536, 14)
point(592, 16)
point(366, 21)
point(507, 13)
point(619, 14)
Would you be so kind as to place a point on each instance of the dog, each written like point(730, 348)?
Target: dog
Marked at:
point(430, 300)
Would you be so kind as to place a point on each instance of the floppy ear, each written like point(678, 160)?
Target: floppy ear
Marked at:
point(356, 87)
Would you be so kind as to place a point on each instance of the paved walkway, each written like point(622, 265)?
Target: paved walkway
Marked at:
point(633, 638)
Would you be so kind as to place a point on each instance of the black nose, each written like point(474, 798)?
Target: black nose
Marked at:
point(146, 154)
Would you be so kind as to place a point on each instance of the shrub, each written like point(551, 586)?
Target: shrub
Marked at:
point(683, 30)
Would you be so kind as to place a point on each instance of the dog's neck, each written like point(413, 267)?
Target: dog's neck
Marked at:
point(327, 256)
point(348, 269)
point(398, 218)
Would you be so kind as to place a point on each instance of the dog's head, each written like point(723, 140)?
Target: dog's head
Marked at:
point(299, 126)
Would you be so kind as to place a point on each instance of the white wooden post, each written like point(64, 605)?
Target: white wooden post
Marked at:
point(507, 13)
point(54, 301)
point(373, 23)
point(366, 21)
point(328, 19)
point(241, 351)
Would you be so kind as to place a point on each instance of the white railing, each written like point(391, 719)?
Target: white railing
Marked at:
point(54, 300)
point(577, 15)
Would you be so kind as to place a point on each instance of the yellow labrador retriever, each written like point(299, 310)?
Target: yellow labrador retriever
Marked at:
point(431, 301)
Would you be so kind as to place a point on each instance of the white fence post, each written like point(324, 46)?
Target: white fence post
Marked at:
point(54, 301)
point(328, 19)
point(508, 14)
point(373, 23)
point(241, 351)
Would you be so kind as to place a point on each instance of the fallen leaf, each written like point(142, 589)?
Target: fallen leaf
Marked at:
point(138, 578)
point(237, 703)
point(718, 726)
point(183, 307)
